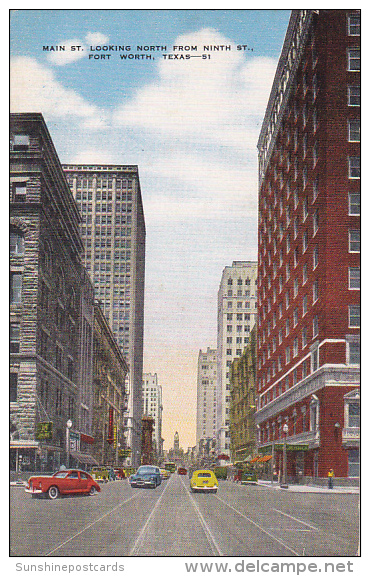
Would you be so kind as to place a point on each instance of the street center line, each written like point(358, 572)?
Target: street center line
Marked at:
point(296, 519)
point(259, 527)
point(211, 539)
point(89, 525)
point(140, 538)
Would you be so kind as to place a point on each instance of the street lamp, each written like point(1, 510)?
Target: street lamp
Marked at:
point(69, 426)
point(284, 483)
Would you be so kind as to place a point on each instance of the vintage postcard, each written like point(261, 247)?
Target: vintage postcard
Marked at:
point(184, 290)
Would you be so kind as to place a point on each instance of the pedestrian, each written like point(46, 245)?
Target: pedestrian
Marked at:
point(331, 478)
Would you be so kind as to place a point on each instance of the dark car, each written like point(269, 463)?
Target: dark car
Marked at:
point(146, 477)
point(182, 471)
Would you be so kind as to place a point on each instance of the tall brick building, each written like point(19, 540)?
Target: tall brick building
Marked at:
point(309, 248)
point(51, 305)
point(113, 232)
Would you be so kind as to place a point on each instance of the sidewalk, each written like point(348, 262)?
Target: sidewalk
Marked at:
point(305, 488)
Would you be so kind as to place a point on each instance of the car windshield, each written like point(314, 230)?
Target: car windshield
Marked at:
point(61, 475)
point(204, 475)
point(146, 470)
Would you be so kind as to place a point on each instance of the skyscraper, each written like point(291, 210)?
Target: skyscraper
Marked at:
point(152, 406)
point(309, 242)
point(113, 231)
point(206, 395)
point(237, 310)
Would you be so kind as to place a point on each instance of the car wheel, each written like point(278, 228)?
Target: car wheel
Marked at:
point(92, 491)
point(53, 492)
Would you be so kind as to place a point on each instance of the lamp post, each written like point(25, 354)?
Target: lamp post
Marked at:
point(69, 426)
point(284, 483)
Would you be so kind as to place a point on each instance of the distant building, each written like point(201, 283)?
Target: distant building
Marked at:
point(51, 306)
point(153, 406)
point(308, 347)
point(243, 402)
point(113, 232)
point(237, 310)
point(176, 442)
point(206, 395)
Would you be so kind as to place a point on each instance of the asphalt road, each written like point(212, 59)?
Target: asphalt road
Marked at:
point(172, 521)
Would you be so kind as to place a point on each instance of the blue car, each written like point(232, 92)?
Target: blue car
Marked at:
point(146, 477)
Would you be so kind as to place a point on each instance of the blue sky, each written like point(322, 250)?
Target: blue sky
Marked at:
point(192, 128)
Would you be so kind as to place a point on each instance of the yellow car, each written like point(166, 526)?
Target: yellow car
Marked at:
point(203, 481)
point(165, 474)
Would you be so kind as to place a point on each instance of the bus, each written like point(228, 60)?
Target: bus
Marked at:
point(170, 466)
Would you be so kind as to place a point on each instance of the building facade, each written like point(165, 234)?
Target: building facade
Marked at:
point(51, 304)
point(236, 315)
point(243, 402)
point(110, 394)
point(153, 406)
point(309, 248)
point(206, 397)
point(113, 232)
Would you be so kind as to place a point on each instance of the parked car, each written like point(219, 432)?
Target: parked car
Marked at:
point(62, 482)
point(146, 477)
point(100, 473)
point(165, 474)
point(203, 481)
point(182, 471)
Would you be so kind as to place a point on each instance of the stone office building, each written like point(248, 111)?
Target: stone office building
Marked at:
point(51, 304)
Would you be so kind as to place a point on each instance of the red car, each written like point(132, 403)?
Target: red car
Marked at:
point(62, 482)
point(182, 471)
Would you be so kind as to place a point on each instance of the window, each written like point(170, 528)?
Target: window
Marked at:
point(16, 241)
point(354, 96)
point(353, 59)
point(14, 337)
point(13, 386)
point(19, 190)
point(304, 336)
point(315, 257)
point(354, 168)
point(315, 326)
point(315, 291)
point(354, 278)
point(295, 347)
point(304, 242)
point(287, 355)
point(354, 316)
point(354, 241)
point(314, 359)
point(354, 25)
point(315, 222)
point(354, 131)
point(354, 203)
point(354, 352)
point(15, 287)
point(21, 142)
point(353, 463)
point(304, 305)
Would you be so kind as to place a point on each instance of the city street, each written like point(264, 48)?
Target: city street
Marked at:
point(172, 521)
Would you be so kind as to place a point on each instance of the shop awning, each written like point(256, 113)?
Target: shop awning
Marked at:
point(255, 459)
point(84, 458)
point(23, 444)
point(265, 458)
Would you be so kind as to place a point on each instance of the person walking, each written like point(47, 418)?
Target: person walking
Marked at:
point(331, 478)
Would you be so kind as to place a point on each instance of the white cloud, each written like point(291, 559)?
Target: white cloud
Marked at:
point(216, 100)
point(96, 39)
point(34, 88)
point(93, 156)
point(73, 50)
